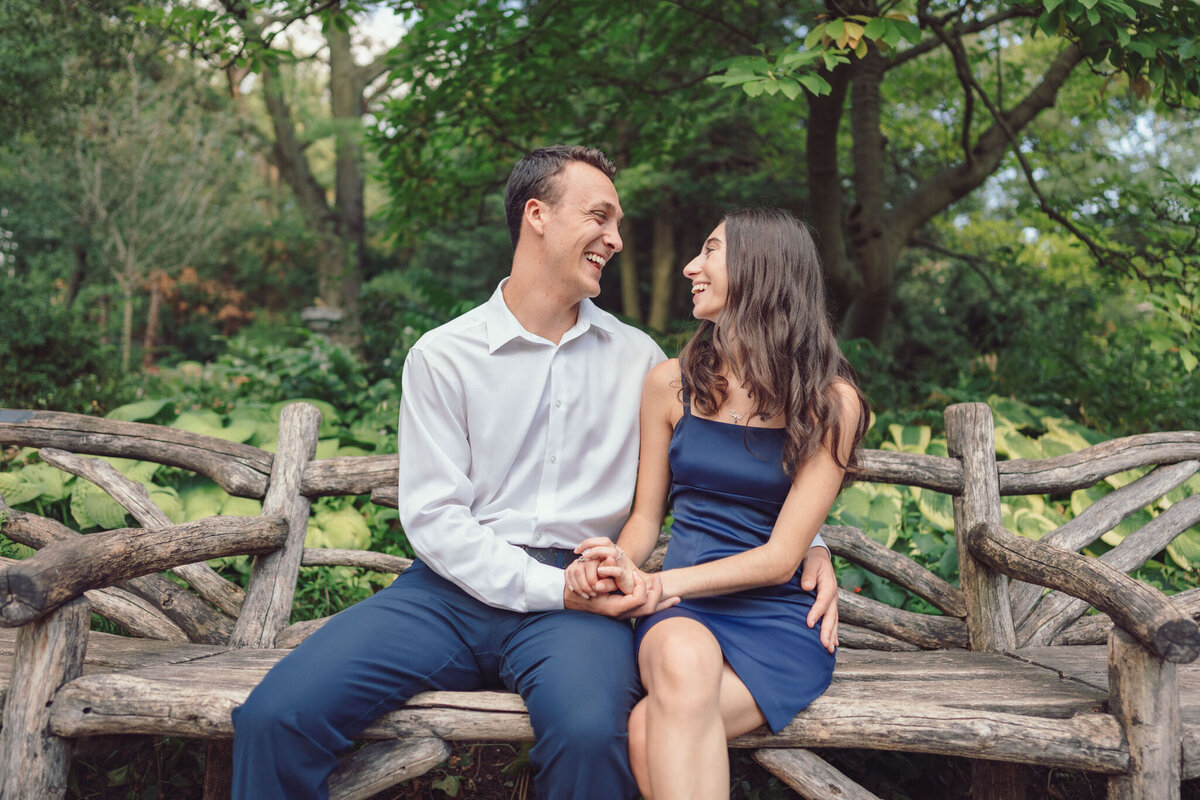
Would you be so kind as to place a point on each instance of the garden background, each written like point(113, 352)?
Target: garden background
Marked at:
point(208, 209)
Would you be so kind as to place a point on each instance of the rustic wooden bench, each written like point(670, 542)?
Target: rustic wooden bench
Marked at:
point(1011, 672)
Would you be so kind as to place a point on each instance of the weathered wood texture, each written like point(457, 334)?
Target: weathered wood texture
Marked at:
point(136, 616)
point(927, 631)
point(1101, 517)
point(1094, 628)
point(969, 437)
point(273, 579)
point(197, 619)
point(1056, 611)
point(135, 498)
point(1083, 468)
point(811, 776)
point(380, 766)
point(853, 545)
point(1143, 696)
point(362, 559)
point(66, 569)
point(1141, 610)
point(33, 762)
point(237, 468)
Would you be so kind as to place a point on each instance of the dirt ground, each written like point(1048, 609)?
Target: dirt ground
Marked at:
point(144, 768)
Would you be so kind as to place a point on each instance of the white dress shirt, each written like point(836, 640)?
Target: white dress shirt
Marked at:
point(509, 439)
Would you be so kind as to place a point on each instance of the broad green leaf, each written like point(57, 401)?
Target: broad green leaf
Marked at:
point(1013, 413)
point(910, 438)
point(1126, 527)
point(875, 28)
point(936, 507)
point(17, 490)
point(241, 507)
point(166, 498)
point(327, 448)
point(54, 482)
point(1011, 444)
point(1189, 360)
point(131, 412)
point(1082, 498)
point(344, 528)
point(140, 471)
point(1031, 524)
point(1185, 550)
point(202, 501)
point(90, 505)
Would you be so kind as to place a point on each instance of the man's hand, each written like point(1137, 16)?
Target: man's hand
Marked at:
point(612, 604)
point(818, 573)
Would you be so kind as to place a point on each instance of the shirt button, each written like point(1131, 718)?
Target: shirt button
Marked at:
point(558, 403)
point(553, 459)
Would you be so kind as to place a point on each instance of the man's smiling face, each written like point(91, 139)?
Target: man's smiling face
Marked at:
point(581, 228)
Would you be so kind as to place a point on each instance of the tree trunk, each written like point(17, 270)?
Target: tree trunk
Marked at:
point(150, 340)
point(630, 299)
point(825, 192)
point(662, 276)
point(867, 222)
point(346, 102)
point(126, 326)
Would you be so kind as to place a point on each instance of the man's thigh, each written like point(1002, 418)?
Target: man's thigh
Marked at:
point(375, 655)
point(574, 664)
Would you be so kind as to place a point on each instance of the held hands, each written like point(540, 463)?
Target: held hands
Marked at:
point(818, 573)
point(604, 580)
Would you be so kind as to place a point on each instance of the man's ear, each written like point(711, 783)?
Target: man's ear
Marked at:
point(535, 214)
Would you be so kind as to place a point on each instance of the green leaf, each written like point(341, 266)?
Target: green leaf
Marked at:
point(241, 507)
point(835, 28)
point(755, 89)
point(202, 501)
point(1188, 358)
point(791, 90)
point(1185, 550)
point(936, 507)
point(91, 506)
point(815, 84)
point(345, 528)
point(17, 490)
point(1050, 5)
point(876, 28)
point(143, 409)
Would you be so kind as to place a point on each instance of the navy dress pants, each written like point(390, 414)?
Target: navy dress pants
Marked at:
point(575, 671)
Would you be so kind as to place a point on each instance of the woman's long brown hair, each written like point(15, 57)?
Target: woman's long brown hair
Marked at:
point(774, 333)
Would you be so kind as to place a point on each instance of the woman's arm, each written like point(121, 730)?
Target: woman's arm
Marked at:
point(815, 486)
point(659, 411)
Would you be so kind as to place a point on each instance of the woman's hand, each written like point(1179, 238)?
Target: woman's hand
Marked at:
point(582, 574)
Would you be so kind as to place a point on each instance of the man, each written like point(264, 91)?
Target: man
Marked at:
point(518, 440)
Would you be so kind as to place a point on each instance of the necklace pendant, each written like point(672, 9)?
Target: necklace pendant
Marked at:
point(736, 416)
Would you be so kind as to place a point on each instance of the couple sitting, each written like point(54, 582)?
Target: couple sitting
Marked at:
point(520, 428)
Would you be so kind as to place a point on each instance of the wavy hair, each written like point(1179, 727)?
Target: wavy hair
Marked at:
point(775, 334)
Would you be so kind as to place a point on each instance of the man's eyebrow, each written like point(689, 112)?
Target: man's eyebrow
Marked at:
point(609, 208)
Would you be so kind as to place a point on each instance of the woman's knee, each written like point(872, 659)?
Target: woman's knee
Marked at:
point(686, 661)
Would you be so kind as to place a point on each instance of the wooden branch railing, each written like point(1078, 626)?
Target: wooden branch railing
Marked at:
point(1085, 467)
point(67, 569)
point(200, 621)
point(1142, 611)
point(855, 546)
point(1101, 517)
point(135, 498)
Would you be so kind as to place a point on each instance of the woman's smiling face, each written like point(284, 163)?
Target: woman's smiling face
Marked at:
point(710, 280)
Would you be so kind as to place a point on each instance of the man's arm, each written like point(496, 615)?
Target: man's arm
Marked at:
point(436, 496)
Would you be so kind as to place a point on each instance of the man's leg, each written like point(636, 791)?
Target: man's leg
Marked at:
point(577, 674)
point(364, 662)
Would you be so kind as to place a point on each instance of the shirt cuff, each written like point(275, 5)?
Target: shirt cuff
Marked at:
point(544, 587)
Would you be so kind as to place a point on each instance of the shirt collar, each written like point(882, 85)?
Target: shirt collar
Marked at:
point(503, 327)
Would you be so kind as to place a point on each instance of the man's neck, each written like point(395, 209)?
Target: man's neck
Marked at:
point(539, 310)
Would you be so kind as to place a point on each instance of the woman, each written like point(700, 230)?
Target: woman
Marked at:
point(750, 432)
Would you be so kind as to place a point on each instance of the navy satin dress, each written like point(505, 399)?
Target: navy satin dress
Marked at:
point(727, 488)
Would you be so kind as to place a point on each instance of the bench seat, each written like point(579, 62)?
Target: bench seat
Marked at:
point(1042, 706)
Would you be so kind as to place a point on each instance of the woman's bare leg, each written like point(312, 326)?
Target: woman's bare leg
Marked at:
point(694, 703)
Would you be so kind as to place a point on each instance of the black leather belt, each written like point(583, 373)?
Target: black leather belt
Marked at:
point(554, 556)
